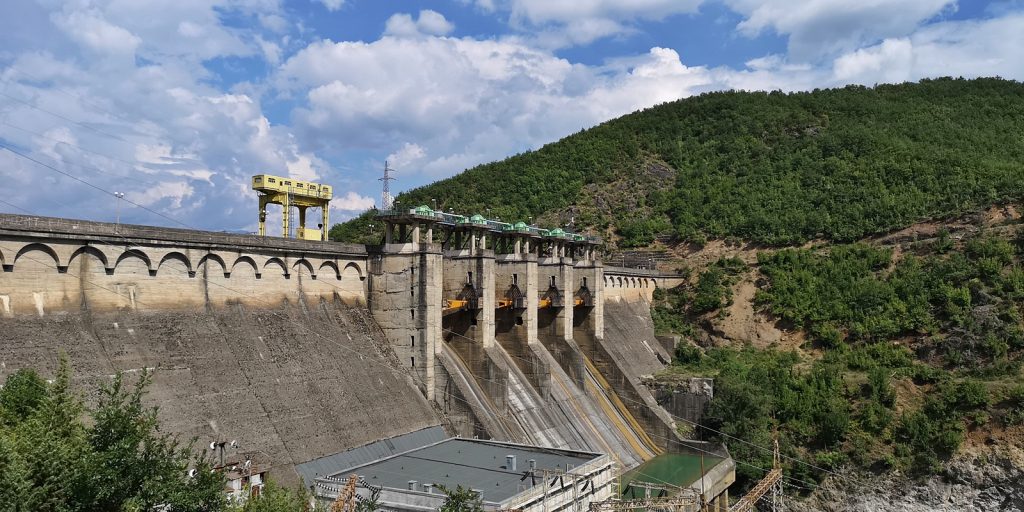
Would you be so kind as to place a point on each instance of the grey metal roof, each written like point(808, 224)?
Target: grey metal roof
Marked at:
point(471, 463)
point(334, 464)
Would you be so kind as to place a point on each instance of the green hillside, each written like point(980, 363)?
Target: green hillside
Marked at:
point(900, 354)
point(772, 168)
point(905, 355)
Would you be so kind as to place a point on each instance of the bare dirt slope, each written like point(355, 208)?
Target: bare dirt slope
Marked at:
point(291, 384)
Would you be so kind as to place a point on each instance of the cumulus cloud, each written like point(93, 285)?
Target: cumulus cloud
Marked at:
point(159, 128)
point(332, 5)
point(464, 101)
point(965, 48)
point(428, 23)
point(557, 23)
point(818, 28)
point(89, 28)
point(408, 154)
point(352, 202)
point(154, 127)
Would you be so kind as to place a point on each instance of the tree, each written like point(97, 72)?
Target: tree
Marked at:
point(21, 394)
point(370, 503)
point(460, 499)
point(275, 498)
point(56, 456)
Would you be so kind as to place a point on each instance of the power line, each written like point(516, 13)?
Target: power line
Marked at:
point(362, 355)
point(16, 207)
point(80, 148)
point(71, 94)
point(510, 355)
point(663, 438)
point(693, 423)
point(88, 184)
point(59, 116)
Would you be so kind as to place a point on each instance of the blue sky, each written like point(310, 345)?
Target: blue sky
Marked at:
point(177, 103)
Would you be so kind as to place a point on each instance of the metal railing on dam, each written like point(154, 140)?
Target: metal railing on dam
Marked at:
point(108, 231)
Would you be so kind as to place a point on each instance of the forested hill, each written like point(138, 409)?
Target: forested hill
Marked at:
point(773, 168)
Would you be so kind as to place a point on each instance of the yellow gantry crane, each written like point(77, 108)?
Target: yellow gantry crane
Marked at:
point(289, 192)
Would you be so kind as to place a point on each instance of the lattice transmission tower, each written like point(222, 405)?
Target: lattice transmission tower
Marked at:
point(386, 200)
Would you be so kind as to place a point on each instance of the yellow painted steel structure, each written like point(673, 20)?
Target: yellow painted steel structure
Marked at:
point(289, 192)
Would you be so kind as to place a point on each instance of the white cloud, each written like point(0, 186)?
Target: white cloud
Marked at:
point(434, 23)
point(352, 202)
point(271, 51)
point(818, 28)
point(464, 101)
point(409, 154)
point(963, 48)
point(558, 23)
point(428, 23)
point(274, 23)
point(891, 61)
point(333, 5)
point(434, 104)
point(89, 28)
point(156, 130)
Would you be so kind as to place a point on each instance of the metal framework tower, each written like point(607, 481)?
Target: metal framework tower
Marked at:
point(385, 196)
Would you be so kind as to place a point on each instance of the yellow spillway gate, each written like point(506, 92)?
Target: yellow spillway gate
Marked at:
point(289, 192)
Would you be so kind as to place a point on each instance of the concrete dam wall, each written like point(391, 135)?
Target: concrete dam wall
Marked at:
point(303, 349)
point(291, 383)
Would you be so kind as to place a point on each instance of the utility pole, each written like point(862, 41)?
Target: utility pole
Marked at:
point(117, 219)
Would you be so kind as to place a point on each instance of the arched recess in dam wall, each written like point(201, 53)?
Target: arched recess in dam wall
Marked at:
point(631, 288)
point(46, 276)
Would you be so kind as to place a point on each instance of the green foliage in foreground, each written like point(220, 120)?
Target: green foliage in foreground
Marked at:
point(775, 168)
point(58, 455)
point(52, 460)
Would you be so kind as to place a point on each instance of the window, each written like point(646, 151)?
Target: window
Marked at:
point(412, 339)
point(412, 314)
point(412, 362)
point(552, 280)
point(515, 279)
point(469, 277)
point(584, 282)
point(287, 183)
point(271, 180)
